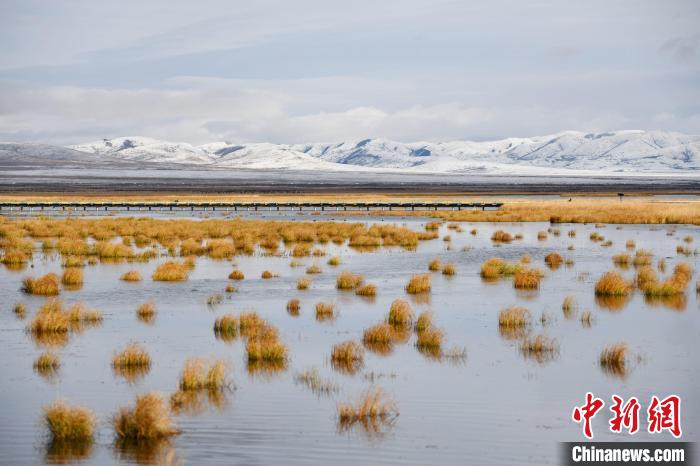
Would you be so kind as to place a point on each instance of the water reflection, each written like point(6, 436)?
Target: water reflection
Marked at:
point(194, 402)
point(612, 303)
point(133, 373)
point(67, 451)
point(146, 452)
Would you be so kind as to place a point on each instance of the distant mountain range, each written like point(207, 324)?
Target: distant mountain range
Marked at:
point(619, 152)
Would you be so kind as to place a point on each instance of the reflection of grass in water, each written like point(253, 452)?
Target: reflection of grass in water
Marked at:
point(613, 360)
point(347, 357)
point(195, 402)
point(67, 451)
point(374, 413)
point(676, 302)
point(146, 452)
point(266, 368)
point(612, 303)
point(47, 365)
point(541, 349)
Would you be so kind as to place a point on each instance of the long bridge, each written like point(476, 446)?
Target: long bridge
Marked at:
point(243, 206)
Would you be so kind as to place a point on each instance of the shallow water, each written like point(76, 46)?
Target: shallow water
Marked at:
point(494, 407)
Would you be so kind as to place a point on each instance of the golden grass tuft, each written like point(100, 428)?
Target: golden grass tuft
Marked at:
point(14, 258)
point(367, 289)
point(313, 269)
point(514, 316)
point(266, 350)
point(226, 327)
point(50, 318)
point(72, 276)
point(266, 275)
point(642, 257)
point(65, 422)
point(131, 356)
point(430, 339)
point(293, 307)
point(541, 348)
point(449, 269)
point(496, 267)
point(236, 275)
point(146, 312)
point(171, 271)
point(423, 322)
point(250, 323)
point(46, 362)
point(348, 281)
point(79, 313)
point(612, 284)
point(20, 310)
point(230, 288)
point(613, 359)
point(373, 408)
point(630, 244)
point(347, 357)
point(325, 311)
point(434, 265)
point(334, 261)
point(553, 260)
point(622, 260)
point(382, 333)
point(148, 419)
point(400, 314)
point(418, 284)
point(527, 278)
point(131, 276)
point(48, 285)
point(303, 283)
point(500, 236)
point(199, 374)
point(587, 319)
point(215, 299)
point(541, 235)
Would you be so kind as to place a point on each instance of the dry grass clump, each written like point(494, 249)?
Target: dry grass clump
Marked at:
point(348, 281)
point(400, 314)
point(226, 327)
point(568, 306)
point(303, 283)
point(131, 276)
point(171, 271)
point(250, 323)
point(325, 311)
point(630, 244)
point(293, 306)
point(612, 284)
point(642, 257)
point(347, 356)
point(131, 356)
point(47, 362)
point(367, 289)
point(541, 235)
point(430, 339)
point(688, 239)
point(434, 265)
point(230, 288)
point(674, 285)
point(146, 312)
point(236, 275)
point(266, 275)
point(527, 278)
point(449, 269)
point(313, 269)
point(50, 318)
point(373, 408)
point(382, 334)
point(48, 285)
point(220, 249)
point(541, 348)
point(334, 261)
point(149, 419)
point(613, 359)
point(73, 261)
point(500, 236)
point(595, 236)
point(432, 226)
point(79, 313)
point(199, 374)
point(423, 322)
point(553, 260)
point(20, 310)
point(623, 260)
point(496, 268)
point(418, 284)
point(215, 299)
point(514, 316)
point(686, 251)
point(72, 276)
point(301, 250)
point(268, 350)
point(65, 422)
point(587, 319)
point(14, 258)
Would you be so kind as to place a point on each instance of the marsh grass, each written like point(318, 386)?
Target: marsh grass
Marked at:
point(568, 306)
point(434, 265)
point(449, 269)
point(348, 281)
point(226, 327)
point(347, 357)
point(311, 379)
point(133, 355)
point(20, 310)
point(236, 275)
point(430, 339)
point(48, 285)
point(303, 283)
point(313, 269)
point(379, 338)
point(423, 322)
point(642, 257)
point(622, 260)
point(73, 423)
point(612, 284)
point(325, 311)
point(266, 275)
point(367, 290)
point(293, 307)
point(250, 323)
point(400, 314)
point(496, 267)
point(334, 261)
point(50, 318)
point(373, 411)
point(215, 299)
point(146, 312)
point(539, 348)
point(148, 419)
point(267, 350)
point(587, 319)
point(419, 284)
point(500, 236)
point(171, 271)
point(200, 374)
point(514, 316)
point(553, 260)
point(527, 278)
point(47, 364)
point(131, 276)
point(79, 314)
point(230, 288)
point(613, 359)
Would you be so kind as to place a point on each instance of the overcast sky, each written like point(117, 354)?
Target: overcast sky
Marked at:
point(283, 71)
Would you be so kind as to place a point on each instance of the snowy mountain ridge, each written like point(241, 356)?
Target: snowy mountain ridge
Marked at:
point(621, 152)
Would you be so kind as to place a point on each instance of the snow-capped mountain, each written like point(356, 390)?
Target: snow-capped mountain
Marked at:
point(620, 152)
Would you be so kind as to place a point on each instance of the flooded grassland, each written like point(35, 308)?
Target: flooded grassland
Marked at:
point(299, 339)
